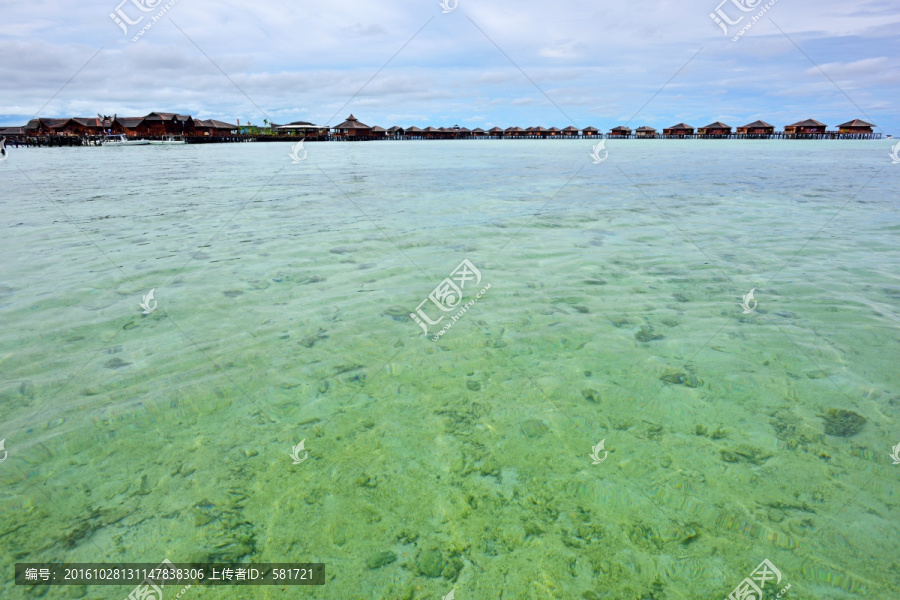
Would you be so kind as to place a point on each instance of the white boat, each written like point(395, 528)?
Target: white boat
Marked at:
point(122, 140)
point(170, 140)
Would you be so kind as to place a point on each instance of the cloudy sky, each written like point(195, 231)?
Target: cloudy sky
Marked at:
point(485, 63)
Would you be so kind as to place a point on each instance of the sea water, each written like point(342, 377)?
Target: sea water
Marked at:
point(610, 414)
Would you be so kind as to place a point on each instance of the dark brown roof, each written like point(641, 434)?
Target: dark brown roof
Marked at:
point(413, 129)
point(379, 129)
point(757, 125)
point(514, 129)
point(856, 123)
point(681, 126)
point(553, 129)
point(496, 130)
point(129, 122)
point(717, 125)
point(644, 128)
point(808, 123)
point(351, 123)
point(570, 128)
point(590, 129)
point(219, 124)
point(621, 128)
point(464, 130)
point(478, 130)
point(431, 129)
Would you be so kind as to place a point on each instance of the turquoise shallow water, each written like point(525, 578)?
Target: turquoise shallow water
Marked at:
point(284, 292)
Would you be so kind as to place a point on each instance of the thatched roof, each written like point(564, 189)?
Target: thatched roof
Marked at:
point(808, 123)
point(351, 123)
point(856, 123)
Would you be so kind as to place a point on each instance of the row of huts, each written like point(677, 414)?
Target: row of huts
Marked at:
point(166, 124)
point(810, 128)
point(152, 125)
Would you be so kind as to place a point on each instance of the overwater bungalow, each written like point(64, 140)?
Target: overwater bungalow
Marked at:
point(478, 132)
point(414, 133)
point(570, 131)
point(645, 132)
point(351, 128)
point(495, 132)
point(430, 133)
point(214, 128)
point(160, 124)
point(590, 132)
point(303, 128)
point(807, 127)
point(680, 130)
point(513, 132)
point(464, 132)
point(396, 132)
point(717, 129)
point(620, 131)
point(855, 127)
point(554, 132)
point(379, 133)
point(538, 132)
point(757, 128)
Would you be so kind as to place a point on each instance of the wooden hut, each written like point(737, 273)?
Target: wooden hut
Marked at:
point(463, 132)
point(352, 128)
point(757, 128)
point(553, 132)
point(717, 129)
point(680, 130)
point(396, 132)
point(570, 131)
point(379, 133)
point(807, 127)
point(130, 126)
point(590, 132)
point(214, 128)
point(430, 133)
point(539, 132)
point(496, 132)
point(478, 132)
point(645, 132)
point(513, 132)
point(620, 131)
point(44, 126)
point(413, 132)
point(160, 124)
point(856, 127)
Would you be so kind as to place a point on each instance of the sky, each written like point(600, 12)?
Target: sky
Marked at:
point(489, 63)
